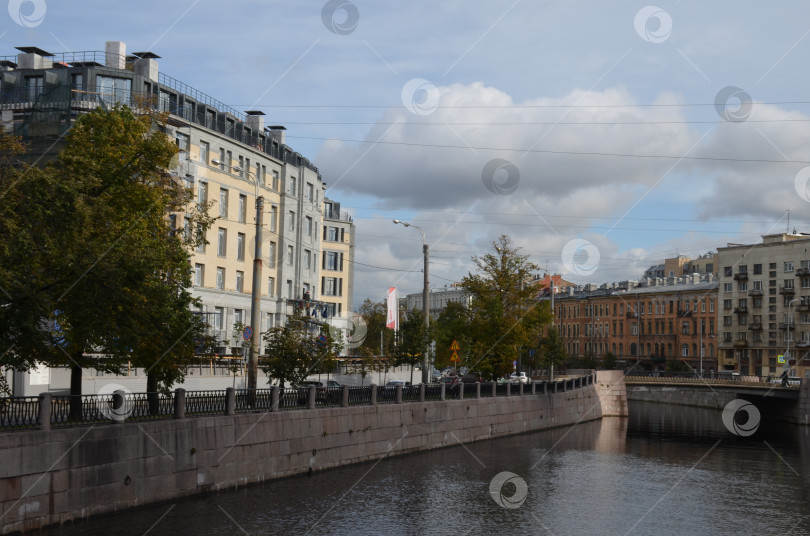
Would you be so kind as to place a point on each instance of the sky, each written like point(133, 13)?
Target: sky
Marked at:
point(601, 137)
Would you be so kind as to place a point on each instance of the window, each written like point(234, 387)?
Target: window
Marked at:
point(726, 320)
point(293, 186)
point(271, 286)
point(219, 317)
point(222, 162)
point(221, 278)
point(275, 180)
point(238, 317)
point(307, 259)
point(789, 266)
point(240, 246)
point(182, 141)
point(291, 226)
point(742, 286)
point(743, 303)
point(200, 238)
point(190, 183)
point(199, 275)
point(757, 285)
point(202, 193)
point(727, 287)
point(332, 234)
point(310, 192)
point(290, 255)
point(685, 350)
point(240, 280)
point(330, 287)
point(742, 269)
point(684, 328)
point(330, 261)
point(711, 306)
point(113, 90)
point(187, 229)
point(788, 283)
point(242, 208)
point(272, 259)
point(308, 228)
point(205, 149)
point(77, 82)
point(222, 242)
point(241, 167)
point(273, 211)
point(223, 203)
point(229, 160)
point(757, 269)
point(726, 304)
point(727, 271)
point(289, 289)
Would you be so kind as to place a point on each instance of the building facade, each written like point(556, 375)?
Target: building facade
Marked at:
point(228, 158)
point(439, 299)
point(765, 305)
point(645, 324)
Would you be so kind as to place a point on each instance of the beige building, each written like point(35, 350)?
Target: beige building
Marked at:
point(764, 305)
point(227, 157)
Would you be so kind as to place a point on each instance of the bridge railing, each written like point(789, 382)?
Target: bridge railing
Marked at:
point(710, 378)
point(51, 411)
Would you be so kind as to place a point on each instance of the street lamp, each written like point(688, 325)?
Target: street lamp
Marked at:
point(255, 297)
point(425, 296)
point(788, 321)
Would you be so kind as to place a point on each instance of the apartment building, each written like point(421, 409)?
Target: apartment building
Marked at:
point(227, 157)
point(765, 305)
point(647, 323)
point(439, 299)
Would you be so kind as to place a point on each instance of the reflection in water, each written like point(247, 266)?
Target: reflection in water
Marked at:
point(665, 470)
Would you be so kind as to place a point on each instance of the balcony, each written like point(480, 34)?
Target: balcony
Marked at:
point(755, 292)
point(803, 344)
point(757, 326)
point(787, 291)
point(803, 307)
point(787, 325)
point(740, 343)
point(802, 272)
point(741, 276)
point(741, 310)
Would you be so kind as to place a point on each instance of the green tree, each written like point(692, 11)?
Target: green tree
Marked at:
point(374, 314)
point(551, 349)
point(298, 349)
point(609, 362)
point(412, 340)
point(453, 324)
point(505, 313)
point(108, 272)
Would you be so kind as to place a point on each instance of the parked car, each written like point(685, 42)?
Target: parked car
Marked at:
point(519, 377)
point(450, 380)
point(436, 377)
point(393, 384)
point(328, 391)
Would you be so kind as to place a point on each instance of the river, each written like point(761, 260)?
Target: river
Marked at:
point(665, 470)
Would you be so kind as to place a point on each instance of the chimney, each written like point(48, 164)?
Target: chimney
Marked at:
point(255, 120)
point(115, 54)
point(33, 58)
point(276, 132)
point(146, 65)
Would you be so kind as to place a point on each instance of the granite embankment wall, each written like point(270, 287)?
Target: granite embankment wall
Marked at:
point(680, 395)
point(49, 477)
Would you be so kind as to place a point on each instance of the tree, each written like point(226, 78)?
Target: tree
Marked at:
point(551, 349)
point(298, 349)
point(609, 362)
point(374, 315)
point(412, 339)
point(505, 314)
point(453, 324)
point(108, 274)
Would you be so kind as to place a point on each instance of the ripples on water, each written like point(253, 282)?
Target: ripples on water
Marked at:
point(665, 470)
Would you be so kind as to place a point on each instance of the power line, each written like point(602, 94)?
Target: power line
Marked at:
point(569, 153)
point(535, 123)
point(510, 107)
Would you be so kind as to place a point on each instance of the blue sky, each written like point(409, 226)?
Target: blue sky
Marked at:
point(403, 104)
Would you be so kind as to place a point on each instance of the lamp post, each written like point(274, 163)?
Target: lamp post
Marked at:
point(256, 294)
point(788, 321)
point(425, 297)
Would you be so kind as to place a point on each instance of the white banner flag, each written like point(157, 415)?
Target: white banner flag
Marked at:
point(392, 320)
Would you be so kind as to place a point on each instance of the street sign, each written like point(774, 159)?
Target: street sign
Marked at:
point(780, 359)
point(248, 333)
point(455, 357)
point(454, 346)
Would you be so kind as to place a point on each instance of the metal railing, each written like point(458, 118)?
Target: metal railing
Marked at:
point(18, 413)
point(709, 378)
point(29, 412)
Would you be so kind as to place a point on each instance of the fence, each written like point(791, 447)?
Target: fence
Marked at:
point(715, 378)
point(47, 411)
